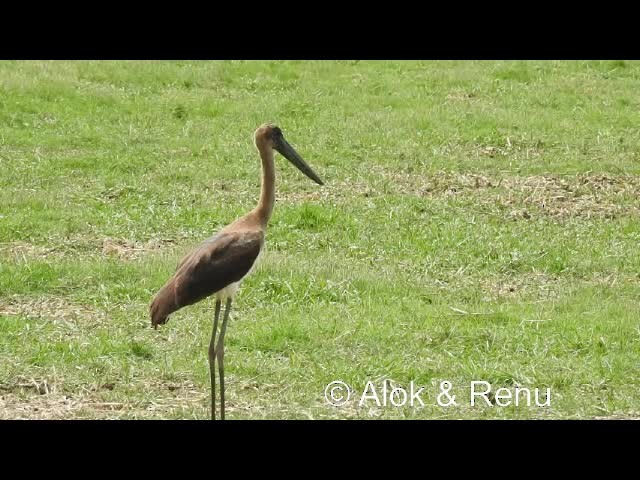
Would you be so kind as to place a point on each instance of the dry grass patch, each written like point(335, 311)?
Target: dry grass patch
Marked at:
point(128, 250)
point(48, 307)
point(522, 197)
point(23, 251)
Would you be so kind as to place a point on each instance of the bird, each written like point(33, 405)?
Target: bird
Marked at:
point(218, 265)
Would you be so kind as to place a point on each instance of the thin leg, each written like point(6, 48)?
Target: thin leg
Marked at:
point(212, 361)
point(220, 354)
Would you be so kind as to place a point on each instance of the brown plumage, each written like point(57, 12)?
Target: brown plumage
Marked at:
point(220, 261)
point(217, 266)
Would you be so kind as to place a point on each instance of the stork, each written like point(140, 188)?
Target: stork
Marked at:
point(219, 264)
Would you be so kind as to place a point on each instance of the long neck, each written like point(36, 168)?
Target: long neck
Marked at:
point(267, 189)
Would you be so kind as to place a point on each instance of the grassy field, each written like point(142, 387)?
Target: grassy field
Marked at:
point(480, 222)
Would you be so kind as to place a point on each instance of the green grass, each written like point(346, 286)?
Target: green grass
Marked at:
point(480, 221)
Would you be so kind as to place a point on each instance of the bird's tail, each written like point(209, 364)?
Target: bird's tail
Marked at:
point(163, 305)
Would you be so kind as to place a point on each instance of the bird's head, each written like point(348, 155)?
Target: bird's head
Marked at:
point(270, 136)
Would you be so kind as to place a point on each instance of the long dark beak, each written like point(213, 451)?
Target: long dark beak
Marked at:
point(288, 152)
